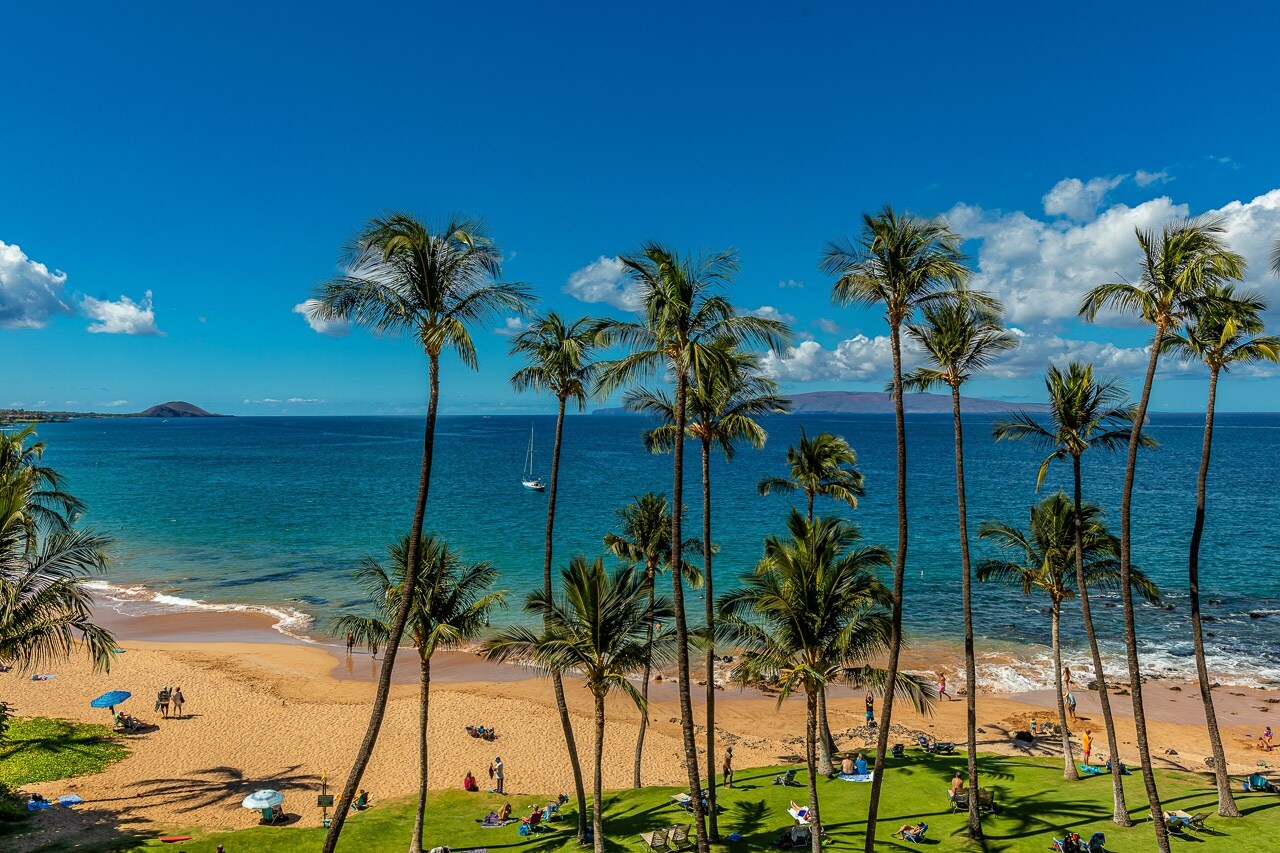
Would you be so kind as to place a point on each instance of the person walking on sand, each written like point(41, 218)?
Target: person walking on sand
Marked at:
point(178, 700)
point(499, 775)
point(727, 769)
point(942, 686)
point(1086, 744)
point(1071, 706)
point(351, 641)
point(1066, 678)
point(163, 701)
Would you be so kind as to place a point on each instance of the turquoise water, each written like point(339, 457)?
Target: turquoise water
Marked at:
point(272, 513)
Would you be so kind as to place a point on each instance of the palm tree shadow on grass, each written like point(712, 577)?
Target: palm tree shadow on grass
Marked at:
point(88, 829)
point(214, 785)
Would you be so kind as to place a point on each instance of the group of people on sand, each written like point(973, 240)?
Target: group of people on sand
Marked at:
point(170, 697)
point(497, 774)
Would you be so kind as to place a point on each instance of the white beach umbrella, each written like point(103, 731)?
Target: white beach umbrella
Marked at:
point(266, 799)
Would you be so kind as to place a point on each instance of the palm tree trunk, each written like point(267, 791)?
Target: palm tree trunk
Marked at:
point(597, 805)
point(682, 625)
point(809, 497)
point(1126, 599)
point(415, 846)
point(811, 736)
point(899, 569)
point(1226, 802)
point(1069, 770)
point(379, 710)
point(970, 664)
point(557, 683)
point(713, 829)
point(1119, 809)
point(826, 743)
point(649, 571)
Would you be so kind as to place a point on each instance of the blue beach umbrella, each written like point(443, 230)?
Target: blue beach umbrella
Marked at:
point(110, 700)
point(263, 799)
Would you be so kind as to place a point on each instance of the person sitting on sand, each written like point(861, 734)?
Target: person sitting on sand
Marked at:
point(846, 767)
point(504, 813)
point(909, 829)
point(362, 801)
point(860, 765)
point(469, 783)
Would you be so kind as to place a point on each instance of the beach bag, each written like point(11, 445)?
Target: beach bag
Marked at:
point(525, 830)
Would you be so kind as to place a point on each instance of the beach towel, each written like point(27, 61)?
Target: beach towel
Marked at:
point(69, 800)
point(801, 815)
point(44, 677)
point(1092, 769)
point(857, 777)
point(494, 825)
point(38, 805)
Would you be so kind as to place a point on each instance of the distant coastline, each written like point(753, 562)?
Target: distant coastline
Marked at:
point(171, 409)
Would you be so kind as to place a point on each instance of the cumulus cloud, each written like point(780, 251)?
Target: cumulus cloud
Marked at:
point(331, 328)
point(512, 326)
point(1042, 269)
point(273, 401)
point(604, 280)
point(791, 282)
point(857, 359)
point(826, 324)
point(1079, 199)
point(121, 316)
point(768, 312)
point(29, 293)
point(1143, 178)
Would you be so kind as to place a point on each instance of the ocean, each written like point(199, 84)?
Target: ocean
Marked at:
point(272, 514)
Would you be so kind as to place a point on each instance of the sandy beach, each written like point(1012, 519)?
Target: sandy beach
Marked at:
point(266, 711)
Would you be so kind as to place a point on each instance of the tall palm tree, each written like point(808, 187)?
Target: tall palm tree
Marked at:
point(898, 261)
point(958, 340)
point(404, 277)
point(1043, 562)
point(1226, 331)
point(645, 541)
point(683, 319)
point(1083, 413)
point(822, 465)
point(723, 408)
point(450, 608)
point(45, 562)
point(560, 360)
point(810, 615)
point(1180, 265)
point(598, 627)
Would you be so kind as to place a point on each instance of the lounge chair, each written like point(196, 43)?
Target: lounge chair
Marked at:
point(788, 778)
point(918, 837)
point(986, 801)
point(898, 751)
point(678, 836)
point(960, 800)
point(683, 800)
point(1258, 782)
point(936, 747)
point(656, 840)
point(794, 836)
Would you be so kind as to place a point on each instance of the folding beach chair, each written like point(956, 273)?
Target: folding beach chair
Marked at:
point(678, 836)
point(683, 800)
point(656, 840)
point(788, 778)
point(918, 837)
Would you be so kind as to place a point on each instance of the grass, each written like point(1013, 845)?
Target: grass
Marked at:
point(1035, 804)
point(38, 749)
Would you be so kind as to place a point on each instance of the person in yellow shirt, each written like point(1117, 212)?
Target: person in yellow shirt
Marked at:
point(1086, 742)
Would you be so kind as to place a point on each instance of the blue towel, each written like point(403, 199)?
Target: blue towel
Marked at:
point(856, 777)
point(69, 800)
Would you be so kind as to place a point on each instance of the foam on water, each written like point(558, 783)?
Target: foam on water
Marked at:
point(135, 599)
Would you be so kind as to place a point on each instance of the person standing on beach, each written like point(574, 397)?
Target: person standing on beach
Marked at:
point(727, 769)
point(942, 686)
point(163, 701)
point(499, 774)
point(178, 699)
point(1066, 678)
point(1071, 706)
point(871, 710)
point(1086, 744)
point(351, 642)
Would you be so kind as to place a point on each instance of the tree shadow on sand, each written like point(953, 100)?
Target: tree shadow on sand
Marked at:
point(202, 788)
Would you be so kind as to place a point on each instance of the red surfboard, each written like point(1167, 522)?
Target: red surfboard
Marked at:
point(169, 839)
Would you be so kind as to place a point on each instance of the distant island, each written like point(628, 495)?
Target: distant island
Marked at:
point(880, 403)
point(171, 409)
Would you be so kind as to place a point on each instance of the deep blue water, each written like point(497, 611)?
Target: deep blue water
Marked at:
point(275, 512)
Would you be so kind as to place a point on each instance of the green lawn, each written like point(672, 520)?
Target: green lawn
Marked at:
point(1035, 804)
point(38, 749)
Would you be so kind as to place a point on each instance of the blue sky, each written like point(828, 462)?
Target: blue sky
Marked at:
point(178, 177)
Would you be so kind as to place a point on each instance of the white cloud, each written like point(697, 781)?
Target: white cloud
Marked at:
point(857, 359)
point(29, 293)
point(604, 280)
point(1042, 269)
point(768, 312)
point(512, 326)
point(265, 401)
point(114, 404)
point(826, 324)
point(1077, 199)
point(305, 400)
point(1224, 161)
point(1143, 178)
point(331, 328)
point(791, 282)
point(122, 316)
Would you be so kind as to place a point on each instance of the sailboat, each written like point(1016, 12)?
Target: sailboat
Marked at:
point(530, 482)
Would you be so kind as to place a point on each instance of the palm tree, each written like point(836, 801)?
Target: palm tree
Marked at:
point(723, 408)
point(450, 608)
point(823, 465)
point(560, 362)
point(813, 610)
point(645, 541)
point(1225, 332)
point(959, 339)
point(898, 261)
point(599, 628)
point(1044, 562)
point(48, 502)
point(403, 277)
point(1180, 265)
point(683, 318)
point(1083, 413)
